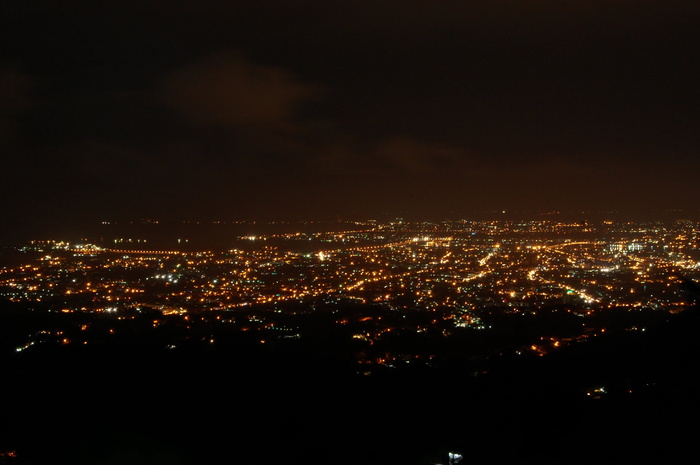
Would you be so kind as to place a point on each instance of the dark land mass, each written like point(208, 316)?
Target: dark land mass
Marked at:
point(622, 397)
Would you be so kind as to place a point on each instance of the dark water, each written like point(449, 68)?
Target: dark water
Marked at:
point(193, 236)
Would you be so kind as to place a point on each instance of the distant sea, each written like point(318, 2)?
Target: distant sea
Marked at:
point(223, 235)
point(197, 236)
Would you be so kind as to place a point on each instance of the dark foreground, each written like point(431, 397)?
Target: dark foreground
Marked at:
point(129, 405)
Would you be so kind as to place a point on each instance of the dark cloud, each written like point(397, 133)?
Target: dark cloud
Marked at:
point(16, 97)
point(226, 89)
point(389, 158)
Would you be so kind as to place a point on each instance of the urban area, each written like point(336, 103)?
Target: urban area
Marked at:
point(386, 288)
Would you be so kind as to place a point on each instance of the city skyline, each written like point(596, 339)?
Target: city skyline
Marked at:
point(600, 264)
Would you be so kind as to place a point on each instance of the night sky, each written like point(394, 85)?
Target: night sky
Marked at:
point(224, 110)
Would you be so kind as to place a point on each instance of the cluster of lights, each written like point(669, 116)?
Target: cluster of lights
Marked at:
point(461, 265)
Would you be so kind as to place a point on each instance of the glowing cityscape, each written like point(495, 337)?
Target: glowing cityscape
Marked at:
point(404, 276)
point(356, 233)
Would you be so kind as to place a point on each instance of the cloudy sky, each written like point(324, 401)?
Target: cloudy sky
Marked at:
point(217, 109)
